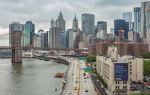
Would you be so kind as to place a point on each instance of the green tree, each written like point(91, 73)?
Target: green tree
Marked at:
point(91, 58)
point(146, 67)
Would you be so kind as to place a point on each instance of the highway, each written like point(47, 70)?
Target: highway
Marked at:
point(73, 80)
point(77, 84)
point(86, 85)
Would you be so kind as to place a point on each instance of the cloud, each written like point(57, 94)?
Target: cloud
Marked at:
point(42, 11)
point(116, 3)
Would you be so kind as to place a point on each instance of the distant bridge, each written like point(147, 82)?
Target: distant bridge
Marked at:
point(39, 48)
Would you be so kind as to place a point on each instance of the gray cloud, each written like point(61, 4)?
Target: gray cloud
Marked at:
point(115, 3)
point(42, 11)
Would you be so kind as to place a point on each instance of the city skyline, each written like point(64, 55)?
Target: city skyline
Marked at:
point(50, 10)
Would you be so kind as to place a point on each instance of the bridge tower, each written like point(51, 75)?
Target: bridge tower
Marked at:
point(15, 42)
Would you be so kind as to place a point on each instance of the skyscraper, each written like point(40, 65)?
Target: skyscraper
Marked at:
point(75, 23)
point(88, 22)
point(101, 29)
point(137, 19)
point(101, 26)
point(76, 33)
point(69, 38)
point(52, 23)
point(41, 33)
point(127, 16)
point(145, 22)
point(145, 18)
point(54, 38)
point(60, 22)
point(29, 30)
point(121, 27)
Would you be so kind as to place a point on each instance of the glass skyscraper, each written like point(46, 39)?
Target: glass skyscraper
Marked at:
point(127, 16)
point(121, 25)
point(29, 29)
point(88, 22)
point(137, 19)
point(101, 26)
point(145, 18)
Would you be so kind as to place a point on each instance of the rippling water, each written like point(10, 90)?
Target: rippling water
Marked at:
point(33, 77)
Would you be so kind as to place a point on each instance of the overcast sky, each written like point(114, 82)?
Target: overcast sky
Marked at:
point(42, 11)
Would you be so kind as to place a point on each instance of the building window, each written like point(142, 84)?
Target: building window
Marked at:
point(130, 73)
point(130, 66)
point(124, 82)
point(117, 82)
point(124, 87)
point(116, 87)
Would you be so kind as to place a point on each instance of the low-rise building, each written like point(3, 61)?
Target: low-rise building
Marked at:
point(118, 72)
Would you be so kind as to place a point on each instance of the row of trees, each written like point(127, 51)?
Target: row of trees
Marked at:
point(91, 58)
point(146, 55)
point(146, 67)
point(146, 63)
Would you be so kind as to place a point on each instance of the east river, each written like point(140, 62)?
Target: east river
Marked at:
point(33, 77)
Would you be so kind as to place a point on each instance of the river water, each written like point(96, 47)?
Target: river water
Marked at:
point(33, 77)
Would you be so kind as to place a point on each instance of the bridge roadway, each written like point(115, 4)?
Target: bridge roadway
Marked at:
point(76, 84)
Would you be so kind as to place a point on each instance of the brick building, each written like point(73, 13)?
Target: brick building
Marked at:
point(124, 48)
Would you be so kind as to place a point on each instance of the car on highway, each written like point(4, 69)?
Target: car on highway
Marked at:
point(86, 90)
point(69, 92)
point(75, 88)
point(76, 81)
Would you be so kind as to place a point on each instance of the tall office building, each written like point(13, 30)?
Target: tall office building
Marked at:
point(54, 37)
point(46, 39)
point(37, 40)
point(137, 19)
point(121, 28)
point(76, 33)
point(75, 23)
point(101, 26)
point(41, 33)
point(127, 16)
point(69, 38)
point(52, 24)
point(145, 18)
point(145, 22)
point(60, 22)
point(88, 22)
point(28, 33)
point(101, 30)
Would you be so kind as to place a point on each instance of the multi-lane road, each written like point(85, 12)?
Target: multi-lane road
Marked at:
point(78, 83)
point(72, 86)
point(86, 85)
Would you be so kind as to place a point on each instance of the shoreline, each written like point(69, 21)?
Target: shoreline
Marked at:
point(65, 81)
